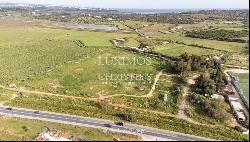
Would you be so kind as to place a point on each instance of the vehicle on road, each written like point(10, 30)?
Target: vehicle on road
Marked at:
point(9, 108)
point(107, 125)
point(141, 131)
point(36, 112)
point(119, 123)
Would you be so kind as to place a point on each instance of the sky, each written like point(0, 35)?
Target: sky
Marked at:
point(145, 4)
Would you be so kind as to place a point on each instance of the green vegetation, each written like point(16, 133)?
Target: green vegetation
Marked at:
point(206, 83)
point(88, 77)
point(17, 129)
point(59, 61)
point(5, 95)
point(213, 44)
point(208, 110)
point(167, 85)
point(173, 49)
point(224, 35)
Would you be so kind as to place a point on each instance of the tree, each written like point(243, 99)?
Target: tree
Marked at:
point(205, 84)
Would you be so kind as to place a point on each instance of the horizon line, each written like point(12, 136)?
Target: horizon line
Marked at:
point(127, 8)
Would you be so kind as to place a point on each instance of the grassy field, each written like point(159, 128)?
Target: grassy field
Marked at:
point(49, 60)
point(5, 95)
point(82, 78)
point(221, 45)
point(17, 129)
point(165, 86)
point(30, 51)
point(244, 84)
point(129, 42)
point(173, 49)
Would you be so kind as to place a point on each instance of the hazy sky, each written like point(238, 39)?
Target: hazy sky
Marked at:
point(152, 4)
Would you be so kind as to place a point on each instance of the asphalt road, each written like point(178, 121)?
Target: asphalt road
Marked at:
point(99, 123)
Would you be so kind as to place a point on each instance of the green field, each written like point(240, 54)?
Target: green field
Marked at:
point(221, 45)
point(49, 60)
point(173, 49)
point(17, 129)
point(81, 78)
point(244, 84)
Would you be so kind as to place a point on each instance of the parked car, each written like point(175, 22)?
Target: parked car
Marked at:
point(119, 123)
point(107, 125)
point(9, 108)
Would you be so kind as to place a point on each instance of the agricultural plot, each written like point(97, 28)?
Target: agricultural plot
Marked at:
point(129, 42)
point(154, 29)
point(92, 75)
point(220, 45)
point(37, 51)
point(173, 49)
point(212, 25)
point(136, 24)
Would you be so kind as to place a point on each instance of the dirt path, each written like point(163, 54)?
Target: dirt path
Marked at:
point(151, 92)
point(181, 114)
point(101, 95)
point(41, 93)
